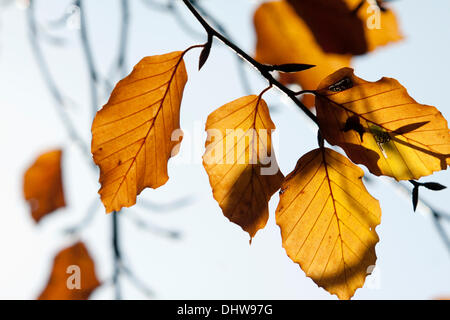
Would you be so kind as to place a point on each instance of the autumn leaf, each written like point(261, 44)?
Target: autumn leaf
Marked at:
point(42, 185)
point(132, 134)
point(340, 26)
point(327, 220)
point(283, 37)
point(73, 275)
point(240, 162)
point(401, 138)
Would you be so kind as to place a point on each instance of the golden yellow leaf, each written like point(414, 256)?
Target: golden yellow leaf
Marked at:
point(379, 125)
point(42, 185)
point(240, 162)
point(283, 37)
point(73, 275)
point(132, 134)
point(327, 220)
point(338, 29)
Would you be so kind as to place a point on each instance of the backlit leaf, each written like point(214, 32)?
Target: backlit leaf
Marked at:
point(339, 28)
point(42, 185)
point(283, 37)
point(327, 220)
point(402, 138)
point(240, 162)
point(73, 275)
point(132, 134)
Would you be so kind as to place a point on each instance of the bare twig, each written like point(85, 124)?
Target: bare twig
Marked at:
point(138, 283)
point(121, 59)
point(51, 83)
point(150, 227)
point(87, 219)
point(158, 5)
point(117, 255)
point(120, 65)
point(170, 7)
point(165, 207)
point(93, 76)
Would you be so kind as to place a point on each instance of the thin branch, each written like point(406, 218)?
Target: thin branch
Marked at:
point(170, 7)
point(440, 229)
point(138, 283)
point(121, 59)
point(120, 65)
point(50, 81)
point(158, 5)
point(87, 219)
point(117, 255)
point(164, 207)
point(243, 55)
point(93, 77)
point(150, 227)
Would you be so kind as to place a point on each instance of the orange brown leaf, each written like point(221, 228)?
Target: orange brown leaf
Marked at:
point(327, 220)
point(68, 264)
point(132, 134)
point(240, 162)
point(397, 136)
point(284, 37)
point(42, 185)
point(338, 28)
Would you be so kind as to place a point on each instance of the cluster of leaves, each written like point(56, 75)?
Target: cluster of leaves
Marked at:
point(326, 216)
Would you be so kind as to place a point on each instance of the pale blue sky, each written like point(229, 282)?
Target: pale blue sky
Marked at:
point(213, 259)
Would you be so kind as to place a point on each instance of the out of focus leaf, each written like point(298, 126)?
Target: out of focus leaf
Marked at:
point(42, 185)
point(340, 26)
point(73, 275)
